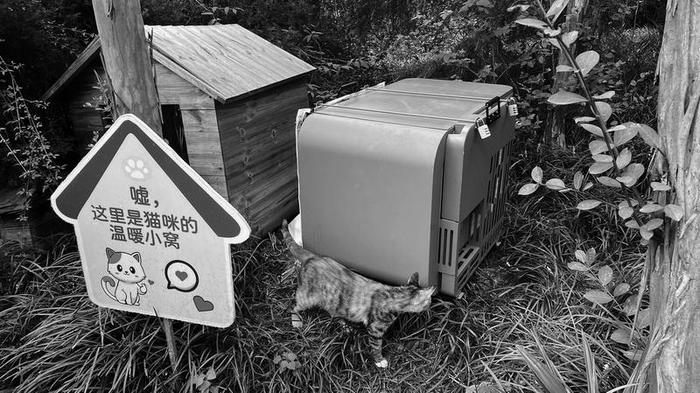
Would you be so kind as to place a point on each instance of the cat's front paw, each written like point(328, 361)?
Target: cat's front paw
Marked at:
point(382, 363)
point(296, 321)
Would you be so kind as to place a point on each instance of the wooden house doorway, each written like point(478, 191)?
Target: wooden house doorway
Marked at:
point(173, 131)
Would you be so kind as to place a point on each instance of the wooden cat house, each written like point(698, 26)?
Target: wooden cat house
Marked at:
point(228, 99)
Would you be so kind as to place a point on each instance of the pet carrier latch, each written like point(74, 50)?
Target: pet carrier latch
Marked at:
point(493, 109)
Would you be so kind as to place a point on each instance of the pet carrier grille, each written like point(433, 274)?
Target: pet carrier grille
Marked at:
point(462, 246)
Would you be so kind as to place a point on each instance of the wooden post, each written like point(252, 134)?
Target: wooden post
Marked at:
point(672, 357)
point(129, 69)
point(126, 61)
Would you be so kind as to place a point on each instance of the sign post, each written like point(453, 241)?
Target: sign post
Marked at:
point(154, 237)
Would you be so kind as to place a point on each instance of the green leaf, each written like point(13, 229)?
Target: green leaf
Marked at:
point(626, 203)
point(605, 275)
point(605, 96)
point(625, 212)
point(581, 256)
point(531, 22)
point(590, 255)
point(528, 189)
point(583, 119)
point(650, 208)
point(621, 336)
point(593, 129)
point(632, 224)
point(520, 7)
point(598, 297)
point(587, 186)
point(211, 374)
point(551, 32)
point(547, 377)
point(674, 212)
point(599, 167)
point(587, 60)
point(650, 136)
point(631, 174)
point(558, 6)
point(653, 224)
point(610, 182)
point(630, 305)
point(656, 186)
point(604, 109)
point(565, 68)
point(555, 184)
point(633, 354)
point(625, 135)
point(197, 379)
point(621, 289)
point(578, 180)
point(536, 174)
point(554, 42)
point(617, 128)
point(645, 233)
point(643, 318)
point(565, 98)
point(569, 37)
point(602, 158)
point(577, 266)
point(588, 204)
point(624, 158)
point(597, 146)
point(591, 369)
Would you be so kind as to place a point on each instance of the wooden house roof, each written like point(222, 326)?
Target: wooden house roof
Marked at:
point(71, 195)
point(224, 61)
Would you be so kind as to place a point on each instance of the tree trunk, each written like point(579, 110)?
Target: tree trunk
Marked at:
point(126, 60)
point(556, 119)
point(673, 351)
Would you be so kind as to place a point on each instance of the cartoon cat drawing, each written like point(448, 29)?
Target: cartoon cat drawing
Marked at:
point(127, 270)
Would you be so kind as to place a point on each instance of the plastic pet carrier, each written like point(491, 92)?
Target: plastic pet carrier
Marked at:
point(407, 177)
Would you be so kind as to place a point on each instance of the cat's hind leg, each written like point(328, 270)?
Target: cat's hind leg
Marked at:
point(296, 318)
point(302, 303)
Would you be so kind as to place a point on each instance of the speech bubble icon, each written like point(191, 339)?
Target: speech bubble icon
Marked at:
point(181, 276)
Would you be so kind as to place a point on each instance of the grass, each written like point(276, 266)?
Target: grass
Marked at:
point(522, 324)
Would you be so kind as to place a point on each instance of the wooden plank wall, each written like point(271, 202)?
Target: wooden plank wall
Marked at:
point(258, 143)
point(198, 118)
point(84, 120)
point(13, 229)
point(199, 122)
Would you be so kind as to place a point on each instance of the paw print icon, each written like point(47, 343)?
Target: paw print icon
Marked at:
point(136, 169)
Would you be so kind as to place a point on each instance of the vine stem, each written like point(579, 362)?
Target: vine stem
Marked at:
point(12, 153)
point(591, 104)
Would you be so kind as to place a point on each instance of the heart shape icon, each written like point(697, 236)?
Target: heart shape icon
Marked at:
point(181, 275)
point(202, 305)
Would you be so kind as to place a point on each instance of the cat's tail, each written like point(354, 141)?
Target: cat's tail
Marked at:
point(299, 252)
point(107, 284)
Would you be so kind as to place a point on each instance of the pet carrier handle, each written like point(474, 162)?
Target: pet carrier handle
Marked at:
point(495, 113)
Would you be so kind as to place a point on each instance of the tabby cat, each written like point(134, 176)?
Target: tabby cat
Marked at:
point(325, 283)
